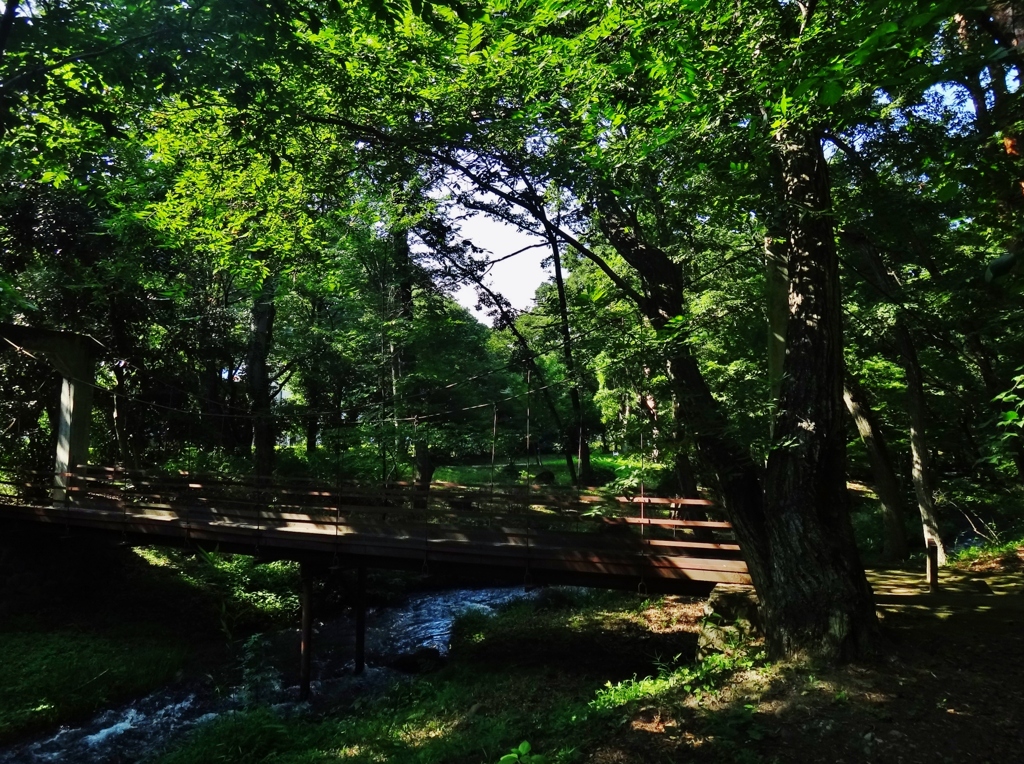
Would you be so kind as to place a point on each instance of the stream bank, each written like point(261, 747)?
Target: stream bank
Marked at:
point(412, 636)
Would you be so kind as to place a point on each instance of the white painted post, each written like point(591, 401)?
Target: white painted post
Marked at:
point(76, 396)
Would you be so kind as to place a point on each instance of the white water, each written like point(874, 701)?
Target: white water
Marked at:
point(141, 729)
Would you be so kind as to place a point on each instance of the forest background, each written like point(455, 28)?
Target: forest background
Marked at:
point(779, 231)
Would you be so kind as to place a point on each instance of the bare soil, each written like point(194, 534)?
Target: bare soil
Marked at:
point(951, 691)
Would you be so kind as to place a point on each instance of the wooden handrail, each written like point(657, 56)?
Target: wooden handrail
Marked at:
point(599, 534)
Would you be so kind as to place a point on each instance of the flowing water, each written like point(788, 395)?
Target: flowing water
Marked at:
point(140, 729)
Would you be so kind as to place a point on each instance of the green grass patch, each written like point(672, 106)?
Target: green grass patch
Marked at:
point(562, 672)
point(607, 466)
point(46, 678)
point(998, 554)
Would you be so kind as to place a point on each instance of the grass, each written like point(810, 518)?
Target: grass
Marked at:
point(613, 467)
point(561, 672)
point(996, 556)
point(89, 626)
point(50, 677)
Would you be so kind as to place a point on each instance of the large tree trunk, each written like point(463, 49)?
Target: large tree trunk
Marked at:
point(887, 486)
point(796, 535)
point(264, 434)
point(777, 303)
point(822, 603)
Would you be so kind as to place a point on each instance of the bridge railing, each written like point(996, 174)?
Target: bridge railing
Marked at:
point(687, 525)
point(535, 523)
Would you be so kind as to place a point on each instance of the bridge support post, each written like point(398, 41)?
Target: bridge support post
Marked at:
point(306, 641)
point(76, 395)
point(360, 619)
point(74, 356)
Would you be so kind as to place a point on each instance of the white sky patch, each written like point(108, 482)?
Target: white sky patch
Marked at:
point(518, 277)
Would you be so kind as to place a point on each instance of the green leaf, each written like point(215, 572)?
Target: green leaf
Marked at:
point(804, 87)
point(831, 92)
point(468, 39)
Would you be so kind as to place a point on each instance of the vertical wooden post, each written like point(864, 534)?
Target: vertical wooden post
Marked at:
point(74, 356)
point(306, 643)
point(360, 619)
point(74, 359)
point(932, 567)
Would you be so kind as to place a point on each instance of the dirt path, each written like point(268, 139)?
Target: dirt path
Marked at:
point(953, 691)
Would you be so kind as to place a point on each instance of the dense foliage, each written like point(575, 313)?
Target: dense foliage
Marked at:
point(255, 209)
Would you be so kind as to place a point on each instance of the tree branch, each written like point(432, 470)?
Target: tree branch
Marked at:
point(363, 131)
point(859, 162)
point(78, 57)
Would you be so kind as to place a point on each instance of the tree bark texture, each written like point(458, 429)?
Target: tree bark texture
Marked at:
point(887, 486)
point(777, 300)
point(822, 603)
point(795, 530)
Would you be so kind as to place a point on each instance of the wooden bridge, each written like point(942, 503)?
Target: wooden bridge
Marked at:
point(531, 535)
point(525, 534)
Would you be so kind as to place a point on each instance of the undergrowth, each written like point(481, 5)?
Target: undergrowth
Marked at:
point(50, 677)
point(541, 681)
point(74, 643)
point(245, 594)
point(995, 553)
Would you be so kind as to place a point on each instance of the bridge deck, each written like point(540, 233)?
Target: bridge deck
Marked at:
point(524, 534)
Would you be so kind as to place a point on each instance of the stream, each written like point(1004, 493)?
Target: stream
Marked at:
point(143, 728)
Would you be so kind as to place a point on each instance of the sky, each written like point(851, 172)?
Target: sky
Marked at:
point(517, 278)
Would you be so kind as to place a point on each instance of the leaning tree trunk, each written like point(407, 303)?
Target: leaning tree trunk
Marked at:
point(887, 486)
point(796, 534)
point(882, 280)
point(508, 320)
point(820, 602)
point(920, 462)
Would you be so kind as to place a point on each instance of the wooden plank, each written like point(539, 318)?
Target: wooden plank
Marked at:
point(508, 546)
point(457, 553)
point(660, 500)
point(669, 523)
